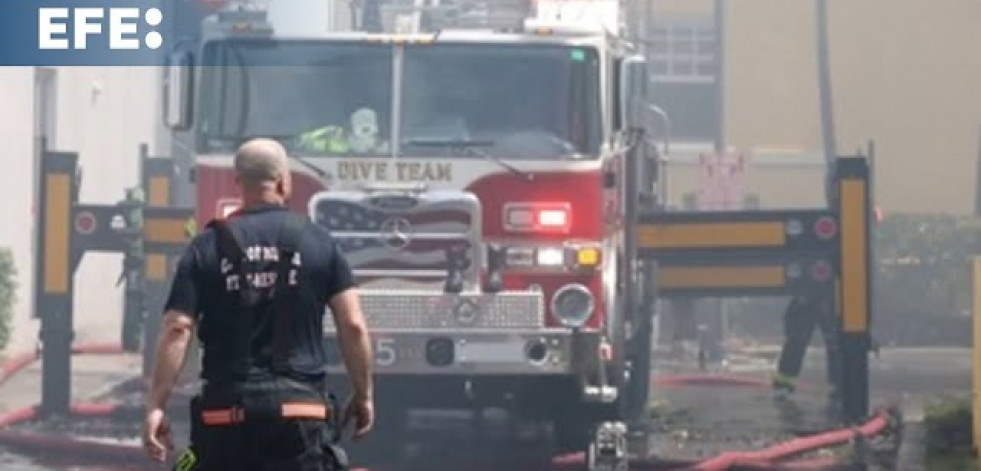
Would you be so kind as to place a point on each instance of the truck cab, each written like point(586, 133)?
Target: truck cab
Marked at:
point(474, 179)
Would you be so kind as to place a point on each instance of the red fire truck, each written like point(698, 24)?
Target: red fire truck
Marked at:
point(472, 169)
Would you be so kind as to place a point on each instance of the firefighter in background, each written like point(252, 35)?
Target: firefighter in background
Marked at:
point(326, 140)
point(361, 137)
point(804, 314)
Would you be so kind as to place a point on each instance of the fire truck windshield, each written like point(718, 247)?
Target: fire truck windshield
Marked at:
point(318, 97)
point(335, 98)
point(528, 101)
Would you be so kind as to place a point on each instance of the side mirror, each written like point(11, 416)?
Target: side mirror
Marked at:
point(178, 89)
point(633, 90)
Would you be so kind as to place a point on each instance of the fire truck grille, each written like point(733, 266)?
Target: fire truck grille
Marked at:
point(413, 310)
point(420, 237)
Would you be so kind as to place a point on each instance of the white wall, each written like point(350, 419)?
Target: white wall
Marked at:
point(16, 131)
point(103, 114)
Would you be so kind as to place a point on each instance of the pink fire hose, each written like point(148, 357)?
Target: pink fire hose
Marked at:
point(783, 451)
point(44, 444)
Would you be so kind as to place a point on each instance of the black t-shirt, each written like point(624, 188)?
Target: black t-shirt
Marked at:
point(202, 288)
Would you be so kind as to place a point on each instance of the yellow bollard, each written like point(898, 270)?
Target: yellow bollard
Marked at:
point(976, 406)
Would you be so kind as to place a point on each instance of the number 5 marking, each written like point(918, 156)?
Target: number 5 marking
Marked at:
point(385, 352)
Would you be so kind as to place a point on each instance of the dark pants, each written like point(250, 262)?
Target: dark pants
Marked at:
point(265, 442)
point(803, 316)
point(274, 445)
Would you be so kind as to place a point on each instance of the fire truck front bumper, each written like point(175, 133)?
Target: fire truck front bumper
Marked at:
point(469, 353)
point(470, 335)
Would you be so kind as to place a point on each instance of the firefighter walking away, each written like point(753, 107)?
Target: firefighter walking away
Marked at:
point(254, 287)
point(805, 314)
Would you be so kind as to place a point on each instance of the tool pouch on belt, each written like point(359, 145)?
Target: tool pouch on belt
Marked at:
point(332, 437)
point(337, 457)
point(195, 408)
point(188, 459)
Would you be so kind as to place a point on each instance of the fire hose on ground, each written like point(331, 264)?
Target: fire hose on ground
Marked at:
point(770, 458)
point(45, 444)
point(776, 457)
point(17, 363)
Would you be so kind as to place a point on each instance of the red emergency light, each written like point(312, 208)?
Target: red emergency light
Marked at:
point(538, 217)
point(825, 228)
point(822, 271)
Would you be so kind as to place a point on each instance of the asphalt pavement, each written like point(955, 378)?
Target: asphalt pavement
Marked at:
point(693, 422)
point(687, 422)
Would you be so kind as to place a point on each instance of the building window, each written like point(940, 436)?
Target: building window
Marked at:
point(682, 54)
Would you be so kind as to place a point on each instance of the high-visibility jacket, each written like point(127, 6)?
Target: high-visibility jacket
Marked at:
point(328, 139)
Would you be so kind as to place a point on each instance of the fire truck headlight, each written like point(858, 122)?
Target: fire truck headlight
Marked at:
point(573, 305)
point(550, 257)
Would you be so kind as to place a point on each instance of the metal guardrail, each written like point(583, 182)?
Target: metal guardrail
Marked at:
point(151, 233)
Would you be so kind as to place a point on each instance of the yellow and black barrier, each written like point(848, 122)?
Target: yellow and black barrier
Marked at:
point(68, 230)
point(739, 277)
point(54, 277)
point(728, 233)
point(165, 233)
point(815, 252)
point(854, 293)
point(739, 253)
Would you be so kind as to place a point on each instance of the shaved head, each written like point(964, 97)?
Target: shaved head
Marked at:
point(261, 160)
point(261, 167)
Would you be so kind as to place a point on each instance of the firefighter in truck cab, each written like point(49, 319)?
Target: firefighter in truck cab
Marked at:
point(360, 136)
point(254, 286)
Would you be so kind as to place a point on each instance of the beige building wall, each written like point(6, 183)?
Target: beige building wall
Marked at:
point(903, 76)
point(906, 76)
point(772, 100)
point(682, 7)
point(103, 114)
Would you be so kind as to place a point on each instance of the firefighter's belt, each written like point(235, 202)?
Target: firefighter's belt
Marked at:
point(289, 410)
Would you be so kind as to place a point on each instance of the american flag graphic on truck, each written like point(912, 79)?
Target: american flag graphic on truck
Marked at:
point(400, 236)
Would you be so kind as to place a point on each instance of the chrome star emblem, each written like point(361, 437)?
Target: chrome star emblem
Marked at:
point(396, 233)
